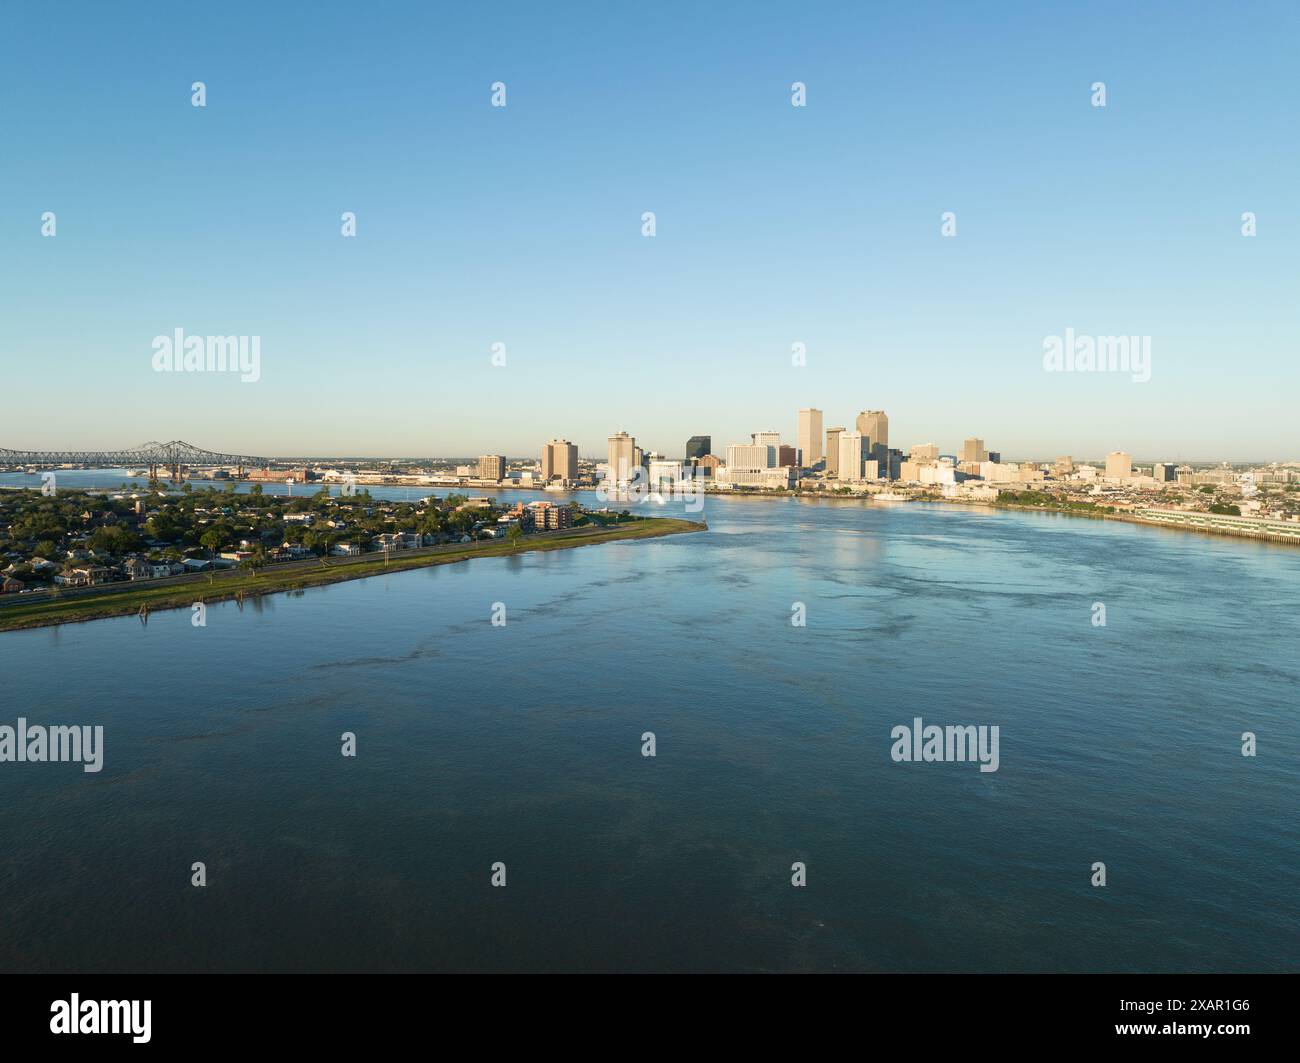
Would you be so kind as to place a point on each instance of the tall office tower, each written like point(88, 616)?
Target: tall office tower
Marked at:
point(809, 438)
point(924, 452)
point(1164, 472)
point(1063, 466)
point(638, 457)
point(852, 455)
point(874, 426)
point(622, 458)
point(492, 467)
point(771, 440)
point(559, 460)
point(747, 456)
point(833, 451)
point(698, 446)
point(973, 450)
point(1119, 466)
point(787, 457)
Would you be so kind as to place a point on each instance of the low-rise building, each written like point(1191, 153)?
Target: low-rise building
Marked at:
point(399, 541)
point(547, 516)
point(729, 477)
point(708, 465)
point(1255, 527)
point(664, 471)
point(83, 576)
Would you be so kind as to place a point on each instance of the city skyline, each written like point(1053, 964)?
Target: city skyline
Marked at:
point(791, 438)
point(913, 383)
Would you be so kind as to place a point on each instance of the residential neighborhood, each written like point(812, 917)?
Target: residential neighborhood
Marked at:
point(77, 539)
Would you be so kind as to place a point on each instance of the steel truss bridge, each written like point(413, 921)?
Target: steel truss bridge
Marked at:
point(175, 456)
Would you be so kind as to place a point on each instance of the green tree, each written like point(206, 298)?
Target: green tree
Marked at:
point(212, 540)
point(113, 539)
point(257, 561)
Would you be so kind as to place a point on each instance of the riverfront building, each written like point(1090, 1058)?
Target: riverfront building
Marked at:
point(809, 438)
point(771, 440)
point(624, 458)
point(708, 465)
point(874, 426)
point(1225, 524)
point(853, 447)
point(748, 456)
point(664, 472)
point(1119, 465)
point(833, 451)
point(698, 447)
point(559, 461)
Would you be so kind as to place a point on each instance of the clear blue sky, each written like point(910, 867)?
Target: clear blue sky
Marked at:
point(776, 225)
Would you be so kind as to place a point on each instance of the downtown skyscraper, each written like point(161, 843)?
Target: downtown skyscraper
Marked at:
point(874, 426)
point(808, 438)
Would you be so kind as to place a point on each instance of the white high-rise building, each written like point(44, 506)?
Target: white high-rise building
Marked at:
point(852, 456)
point(771, 440)
point(748, 456)
point(664, 472)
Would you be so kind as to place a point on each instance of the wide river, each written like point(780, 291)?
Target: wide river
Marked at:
point(522, 744)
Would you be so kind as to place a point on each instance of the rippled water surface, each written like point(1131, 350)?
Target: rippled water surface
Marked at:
point(522, 744)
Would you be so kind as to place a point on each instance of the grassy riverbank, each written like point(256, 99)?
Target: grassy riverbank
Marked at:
point(181, 592)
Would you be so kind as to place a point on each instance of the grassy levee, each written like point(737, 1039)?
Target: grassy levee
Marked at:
point(181, 592)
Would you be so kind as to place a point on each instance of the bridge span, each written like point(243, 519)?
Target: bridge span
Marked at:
point(176, 456)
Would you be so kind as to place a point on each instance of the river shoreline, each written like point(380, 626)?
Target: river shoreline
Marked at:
point(182, 592)
point(1262, 536)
